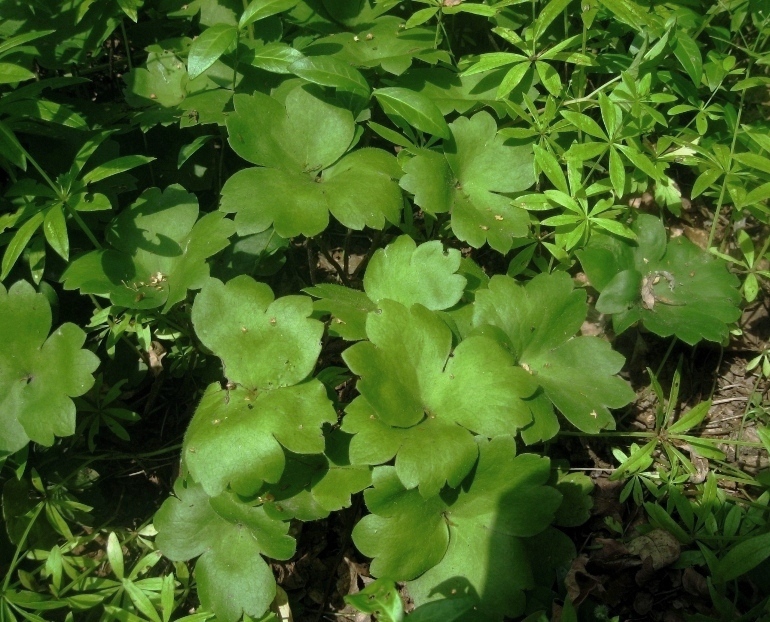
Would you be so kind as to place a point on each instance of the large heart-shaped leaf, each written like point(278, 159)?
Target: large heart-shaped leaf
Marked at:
point(672, 287)
point(159, 251)
point(467, 180)
point(475, 534)
point(229, 539)
point(577, 374)
point(38, 373)
point(423, 401)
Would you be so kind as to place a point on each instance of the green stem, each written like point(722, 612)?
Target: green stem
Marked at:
point(235, 64)
point(126, 45)
point(250, 29)
point(20, 545)
point(83, 226)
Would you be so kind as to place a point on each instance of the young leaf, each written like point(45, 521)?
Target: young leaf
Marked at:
point(38, 373)
point(208, 47)
point(229, 539)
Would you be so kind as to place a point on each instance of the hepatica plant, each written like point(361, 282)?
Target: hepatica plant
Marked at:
point(353, 248)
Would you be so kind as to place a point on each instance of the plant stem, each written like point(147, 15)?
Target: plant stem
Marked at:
point(83, 226)
point(20, 545)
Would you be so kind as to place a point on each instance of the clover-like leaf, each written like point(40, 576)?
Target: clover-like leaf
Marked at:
point(467, 179)
point(236, 436)
point(159, 251)
point(38, 373)
point(539, 321)
point(464, 532)
point(303, 175)
point(230, 537)
point(672, 287)
point(410, 274)
point(264, 343)
point(431, 397)
point(313, 486)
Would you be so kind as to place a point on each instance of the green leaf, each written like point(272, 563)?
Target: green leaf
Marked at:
point(380, 598)
point(539, 321)
point(305, 135)
point(743, 557)
point(22, 38)
point(461, 532)
point(617, 173)
point(410, 274)
point(360, 190)
point(38, 373)
point(465, 180)
point(704, 181)
point(264, 343)
point(208, 47)
point(348, 307)
point(414, 108)
point(230, 537)
point(328, 71)
point(19, 242)
point(688, 54)
point(673, 287)
point(420, 400)
point(550, 12)
point(11, 148)
point(692, 419)
point(585, 123)
point(549, 77)
point(381, 43)
point(276, 57)
point(10, 73)
point(236, 435)
point(115, 555)
point(493, 60)
point(187, 151)
point(420, 17)
point(260, 9)
point(550, 166)
point(159, 251)
point(312, 487)
point(512, 79)
point(114, 167)
point(55, 230)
